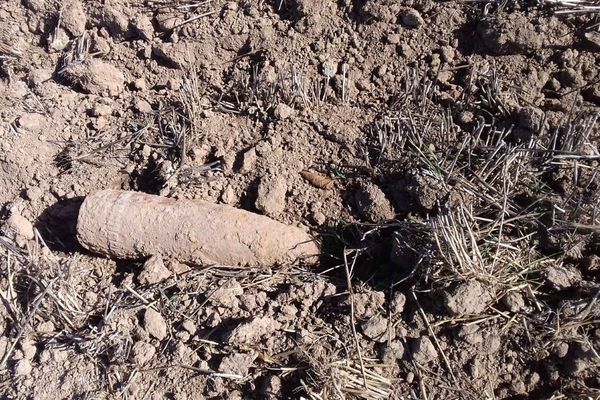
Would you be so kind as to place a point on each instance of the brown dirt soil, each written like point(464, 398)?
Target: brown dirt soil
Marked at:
point(444, 153)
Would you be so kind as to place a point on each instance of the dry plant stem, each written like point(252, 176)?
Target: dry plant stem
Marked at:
point(36, 303)
point(352, 317)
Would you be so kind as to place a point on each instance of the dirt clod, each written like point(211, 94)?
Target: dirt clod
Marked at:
point(467, 298)
point(514, 301)
point(271, 195)
point(23, 367)
point(18, 227)
point(372, 204)
point(142, 352)
point(510, 34)
point(73, 17)
point(375, 328)
point(237, 363)
point(95, 76)
point(411, 18)
point(423, 350)
point(560, 277)
point(155, 324)
point(252, 331)
point(366, 305)
point(154, 271)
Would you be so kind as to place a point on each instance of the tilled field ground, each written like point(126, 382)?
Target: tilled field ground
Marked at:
point(444, 153)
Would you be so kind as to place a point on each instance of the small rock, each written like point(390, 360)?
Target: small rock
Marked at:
point(213, 319)
point(319, 218)
point(155, 324)
point(406, 50)
point(18, 227)
point(376, 328)
point(99, 123)
point(467, 298)
point(175, 55)
point(492, 344)
point(252, 331)
point(186, 355)
point(23, 367)
point(560, 277)
point(227, 295)
point(142, 352)
point(423, 350)
point(73, 17)
point(58, 41)
point(237, 364)
point(447, 53)
point(411, 18)
point(228, 195)
point(372, 204)
point(165, 21)
point(154, 271)
point(474, 368)
point(38, 76)
point(35, 5)
point(561, 349)
point(271, 195)
point(46, 327)
point(569, 77)
point(174, 83)
point(101, 110)
point(34, 193)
